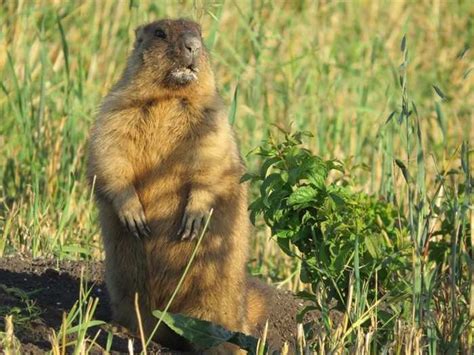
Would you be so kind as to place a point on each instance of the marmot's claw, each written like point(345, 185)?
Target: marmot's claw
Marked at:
point(136, 225)
point(191, 225)
point(142, 227)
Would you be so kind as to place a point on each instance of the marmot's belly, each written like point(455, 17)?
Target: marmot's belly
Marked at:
point(167, 260)
point(164, 200)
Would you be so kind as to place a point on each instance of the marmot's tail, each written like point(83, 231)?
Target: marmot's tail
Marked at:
point(258, 304)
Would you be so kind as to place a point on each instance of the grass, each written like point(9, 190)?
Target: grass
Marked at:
point(332, 68)
point(26, 309)
point(73, 333)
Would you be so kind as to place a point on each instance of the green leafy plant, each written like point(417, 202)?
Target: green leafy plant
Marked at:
point(338, 233)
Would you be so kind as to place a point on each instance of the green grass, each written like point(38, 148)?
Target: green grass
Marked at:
point(25, 310)
point(332, 68)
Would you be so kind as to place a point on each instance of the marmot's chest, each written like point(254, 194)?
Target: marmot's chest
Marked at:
point(170, 121)
point(167, 136)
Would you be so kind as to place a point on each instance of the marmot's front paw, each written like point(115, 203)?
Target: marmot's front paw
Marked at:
point(133, 218)
point(191, 225)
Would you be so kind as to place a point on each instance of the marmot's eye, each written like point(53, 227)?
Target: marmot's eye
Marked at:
point(160, 33)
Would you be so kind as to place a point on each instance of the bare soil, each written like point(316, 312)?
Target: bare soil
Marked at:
point(54, 287)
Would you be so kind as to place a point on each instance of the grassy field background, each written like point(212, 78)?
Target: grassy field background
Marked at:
point(331, 68)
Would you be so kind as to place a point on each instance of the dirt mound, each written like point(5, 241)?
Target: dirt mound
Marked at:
point(54, 286)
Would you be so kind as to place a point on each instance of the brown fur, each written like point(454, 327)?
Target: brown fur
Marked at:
point(166, 150)
point(258, 297)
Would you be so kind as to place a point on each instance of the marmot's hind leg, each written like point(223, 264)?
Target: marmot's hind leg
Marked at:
point(124, 271)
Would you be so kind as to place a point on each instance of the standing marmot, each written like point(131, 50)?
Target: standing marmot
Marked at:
point(162, 154)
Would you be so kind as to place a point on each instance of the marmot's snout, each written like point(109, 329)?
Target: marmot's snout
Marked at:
point(191, 47)
point(189, 51)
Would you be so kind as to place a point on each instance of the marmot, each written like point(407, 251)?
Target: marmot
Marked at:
point(161, 155)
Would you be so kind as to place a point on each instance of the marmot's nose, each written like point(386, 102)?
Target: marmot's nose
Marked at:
point(192, 44)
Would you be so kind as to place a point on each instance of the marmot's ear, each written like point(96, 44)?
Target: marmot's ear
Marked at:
point(138, 36)
point(139, 31)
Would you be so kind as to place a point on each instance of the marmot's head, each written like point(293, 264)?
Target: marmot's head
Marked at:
point(171, 53)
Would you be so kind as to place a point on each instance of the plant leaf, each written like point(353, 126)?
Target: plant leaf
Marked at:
point(204, 334)
point(247, 177)
point(338, 199)
point(390, 117)
point(403, 44)
point(302, 195)
point(372, 246)
point(233, 106)
point(404, 170)
point(440, 92)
